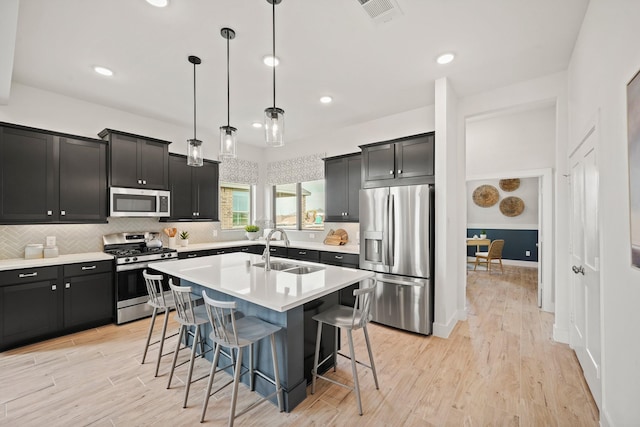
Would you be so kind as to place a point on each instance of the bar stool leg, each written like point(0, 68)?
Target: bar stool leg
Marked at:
point(196, 339)
point(276, 373)
point(207, 393)
point(146, 346)
point(164, 332)
point(252, 386)
point(335, 348)
point(314, 373)
point(373, 365)
point(175, 355)
point(236, 381)
point(355, 371)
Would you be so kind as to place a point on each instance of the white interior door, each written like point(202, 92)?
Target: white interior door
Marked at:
point(585, 260)
point(539, 245)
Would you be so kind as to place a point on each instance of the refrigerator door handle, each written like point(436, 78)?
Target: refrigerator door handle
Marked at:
point(392, 226)
point(385, 232)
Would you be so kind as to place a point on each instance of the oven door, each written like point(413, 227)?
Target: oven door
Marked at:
point(131, 293)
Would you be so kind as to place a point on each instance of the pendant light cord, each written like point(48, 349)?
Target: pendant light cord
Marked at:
point(274, 52)
point(194, 101)
point(228, 96)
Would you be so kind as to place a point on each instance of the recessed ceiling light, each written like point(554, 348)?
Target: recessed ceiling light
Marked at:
point(158, 3)
point(445, 58)
point(256, 125)
point(270, 61)
point(103, 71)
point(326, 99)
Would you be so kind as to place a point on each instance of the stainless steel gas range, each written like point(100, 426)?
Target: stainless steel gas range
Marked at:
point(134, 252)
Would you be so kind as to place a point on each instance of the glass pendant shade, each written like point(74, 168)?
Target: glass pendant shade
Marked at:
point(228, 136)
point(274, 126)
point(195, 155)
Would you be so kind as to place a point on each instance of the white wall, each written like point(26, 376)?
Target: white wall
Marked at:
point(605, 58)
point(512, 141)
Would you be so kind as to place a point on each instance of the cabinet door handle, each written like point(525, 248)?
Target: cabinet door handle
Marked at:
point(67, 285)
point(49, 213)
point(144, 181)
point(338, 257)
point(391, 172)
point(139, 181)
point(399, 170)
point(92, 267)
point(192, 255)
point(63, 213)
point(23, 275)
point(54, 287)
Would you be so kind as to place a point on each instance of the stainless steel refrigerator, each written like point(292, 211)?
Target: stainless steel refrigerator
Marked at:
point(396, 241)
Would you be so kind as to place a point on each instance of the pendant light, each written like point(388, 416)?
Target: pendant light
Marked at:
point(228, 134)
point(274, 116)
point(194, 153)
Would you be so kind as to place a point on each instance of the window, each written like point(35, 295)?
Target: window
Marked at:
point(235, 205)
point(299, 206)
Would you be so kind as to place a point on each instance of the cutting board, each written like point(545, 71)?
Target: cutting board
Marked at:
point(336, 238)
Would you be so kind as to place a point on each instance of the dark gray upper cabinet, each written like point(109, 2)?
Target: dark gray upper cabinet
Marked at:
point(137, 161)
point(342, 184)
point(403, 161)
point(194, 190)
point(51, 177)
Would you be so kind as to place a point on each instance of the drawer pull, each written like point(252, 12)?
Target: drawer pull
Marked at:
point(23, 275)
point(272, 249)
point(302, 252)
point(89, 268)
point(244, 250)
point(192, 255)
point(338, 257)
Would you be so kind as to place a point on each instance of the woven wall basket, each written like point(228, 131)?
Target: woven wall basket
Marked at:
point(486, 196)
point(511, 206)
point(510, 184)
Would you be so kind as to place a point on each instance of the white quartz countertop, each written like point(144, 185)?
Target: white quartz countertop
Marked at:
point(346, 249)
point(16, 263)
point(234, 274)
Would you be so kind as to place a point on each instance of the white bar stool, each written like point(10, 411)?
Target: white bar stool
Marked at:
point(160, 300)
point(233, 334)
point(348, 318)
point(188, 315)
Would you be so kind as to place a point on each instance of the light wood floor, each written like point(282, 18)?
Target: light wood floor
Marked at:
point(500, 367)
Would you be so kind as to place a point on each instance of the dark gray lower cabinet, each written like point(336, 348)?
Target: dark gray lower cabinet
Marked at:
point(88, 294)
point(40, 303)
point(343, 260)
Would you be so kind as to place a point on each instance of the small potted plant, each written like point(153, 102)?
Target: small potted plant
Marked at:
point(252, 231)
point(483, 234)
point(184, 238)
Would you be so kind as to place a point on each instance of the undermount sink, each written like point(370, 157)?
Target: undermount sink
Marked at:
point(286, 267)
point(303, 269)
point(276, 265)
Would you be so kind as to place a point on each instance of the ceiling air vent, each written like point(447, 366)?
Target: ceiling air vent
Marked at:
point(381, 11)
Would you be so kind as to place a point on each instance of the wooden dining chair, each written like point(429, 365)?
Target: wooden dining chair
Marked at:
point(494, 253)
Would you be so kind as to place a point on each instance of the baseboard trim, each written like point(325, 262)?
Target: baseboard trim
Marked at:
point(444, 330)
point(560, 334)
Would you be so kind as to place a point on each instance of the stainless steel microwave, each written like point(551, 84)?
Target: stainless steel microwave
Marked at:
point(138, 202)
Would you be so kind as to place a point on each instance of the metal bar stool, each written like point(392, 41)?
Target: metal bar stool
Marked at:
point(236, 334)
point(188, 315)
point(348, 318)
point(160, 300)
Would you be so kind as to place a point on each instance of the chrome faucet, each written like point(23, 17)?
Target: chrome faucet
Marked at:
point(266, 255)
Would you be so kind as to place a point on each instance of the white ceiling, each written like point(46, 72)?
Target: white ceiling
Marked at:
point(327, 47)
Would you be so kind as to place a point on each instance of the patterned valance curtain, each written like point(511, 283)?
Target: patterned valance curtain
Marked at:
point(300, 169)
point(239, 171)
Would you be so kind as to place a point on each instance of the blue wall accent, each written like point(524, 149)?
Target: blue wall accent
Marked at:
point(516, 242)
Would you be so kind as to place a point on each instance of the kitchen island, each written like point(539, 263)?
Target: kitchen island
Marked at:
point(284, 298)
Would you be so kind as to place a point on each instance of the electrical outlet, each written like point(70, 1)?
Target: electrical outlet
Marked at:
point(51, 240)
point(527, 253)
point(215, 233)
point(312, 235)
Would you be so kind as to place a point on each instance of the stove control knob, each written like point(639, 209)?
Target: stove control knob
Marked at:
point(127, 260)
point(162, 256)
point(135, 258)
